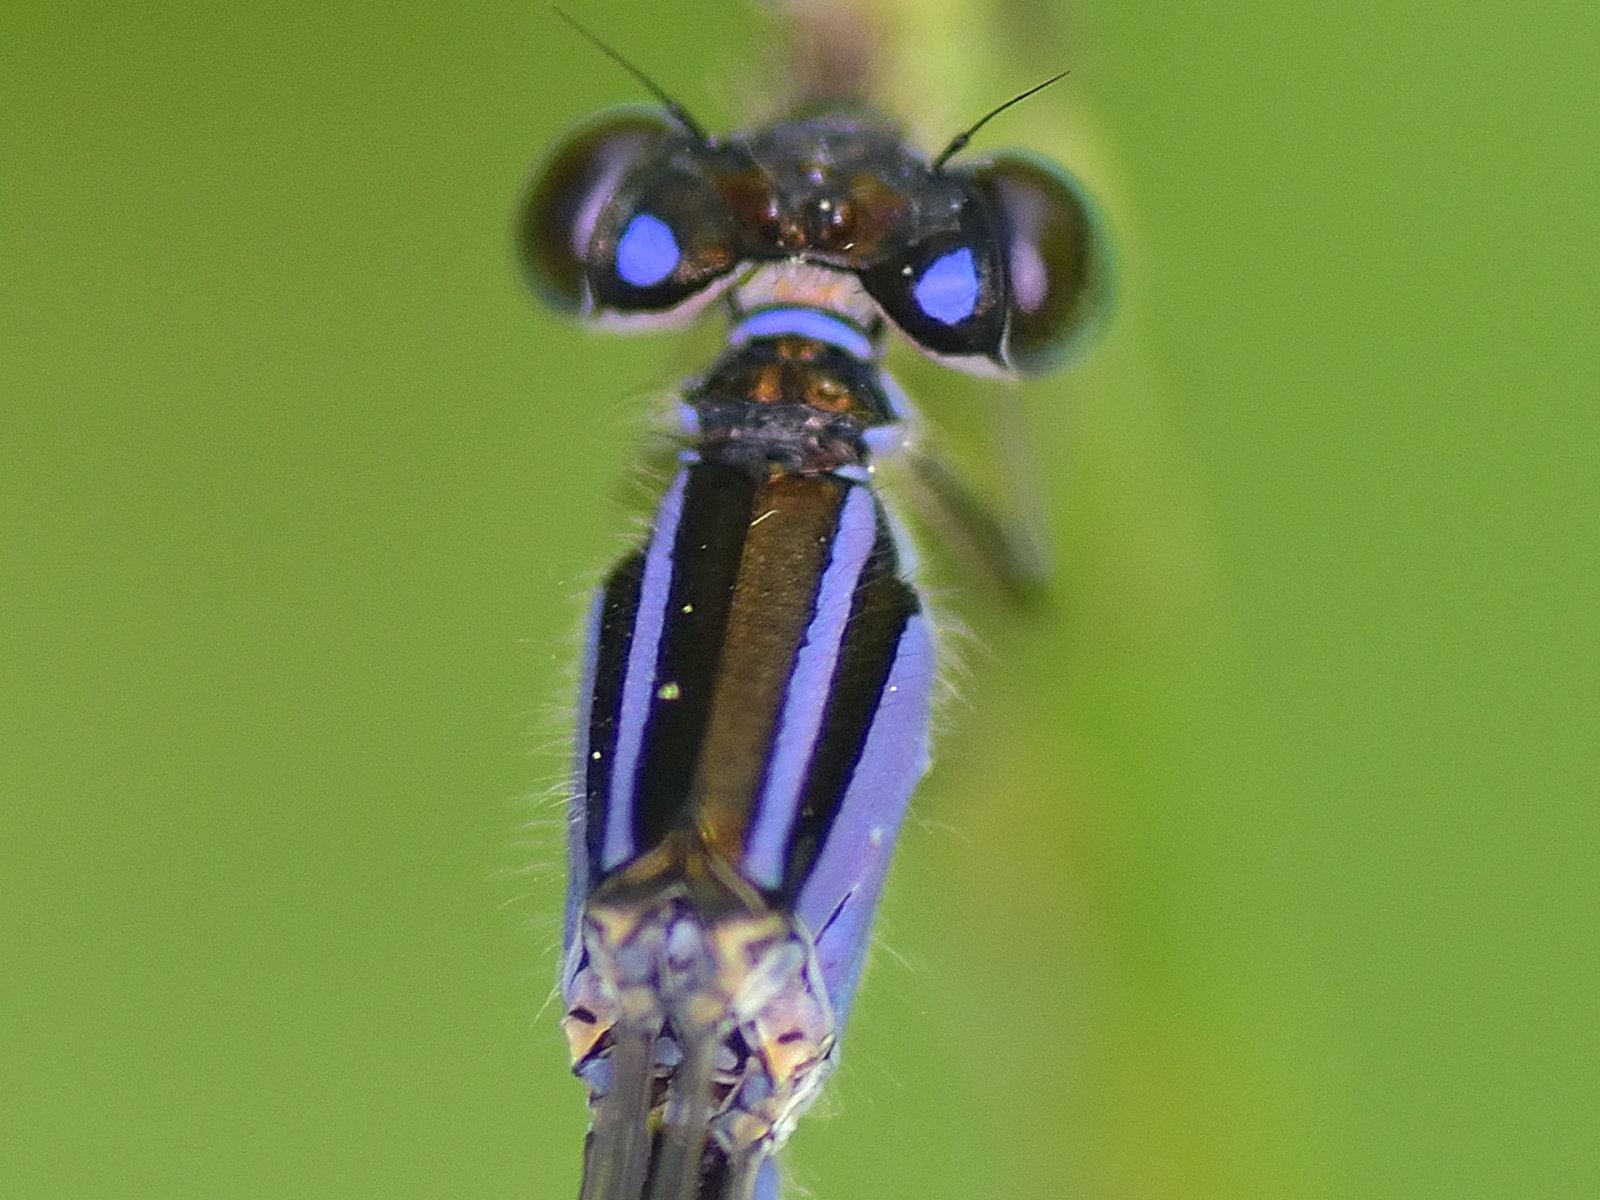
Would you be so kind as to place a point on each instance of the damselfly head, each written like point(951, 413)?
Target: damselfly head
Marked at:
point(636, 221)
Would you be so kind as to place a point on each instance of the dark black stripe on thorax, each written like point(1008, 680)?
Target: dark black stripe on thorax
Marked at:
point(882, 604)
point(705, 555)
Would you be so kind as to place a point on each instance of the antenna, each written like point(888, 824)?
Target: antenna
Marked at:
point(959, 142)
point(674, 110)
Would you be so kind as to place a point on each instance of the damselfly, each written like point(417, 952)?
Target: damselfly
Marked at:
point(755, 697)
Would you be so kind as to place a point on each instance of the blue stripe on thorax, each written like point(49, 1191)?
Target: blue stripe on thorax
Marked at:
point(840, 893)
point(808, 691)
point(639, 683)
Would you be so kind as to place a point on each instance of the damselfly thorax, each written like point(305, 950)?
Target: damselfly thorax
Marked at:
point(755, 698)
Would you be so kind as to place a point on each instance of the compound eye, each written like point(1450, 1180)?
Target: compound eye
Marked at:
point(662, 245)
point(945, 291)
point(570, 191)
point(1057, 264)
point(621, 223)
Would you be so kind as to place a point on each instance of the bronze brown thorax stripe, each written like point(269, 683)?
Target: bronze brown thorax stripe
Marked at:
point(788, 546)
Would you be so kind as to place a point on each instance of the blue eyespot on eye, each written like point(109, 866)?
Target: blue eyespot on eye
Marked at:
point(948, 289)
point(646, 252)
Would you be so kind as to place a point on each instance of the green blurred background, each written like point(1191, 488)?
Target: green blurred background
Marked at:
point(1264, 866)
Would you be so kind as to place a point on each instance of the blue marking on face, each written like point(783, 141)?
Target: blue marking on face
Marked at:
point(646, 252)
point(806, 322)
point(948, 290)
